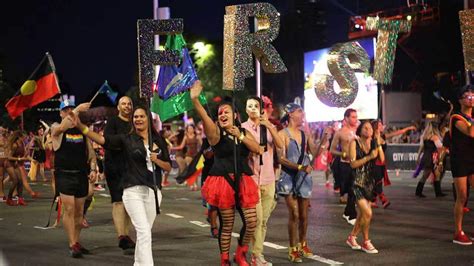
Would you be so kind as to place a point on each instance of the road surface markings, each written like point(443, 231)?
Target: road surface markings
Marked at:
point(324, 260)
point(201, 224)
point(104, 195)
point(43, 228)
point(275, 246)
point(174, 215)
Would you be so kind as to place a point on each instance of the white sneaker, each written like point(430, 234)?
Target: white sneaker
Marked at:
point(352, 221)
point(367, 247)
point(345, 217)
point(259, 260)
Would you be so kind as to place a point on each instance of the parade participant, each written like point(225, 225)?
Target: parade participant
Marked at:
point(14, 154)
point(226, 187)
point(191, 143)
point(74, 157)
point(208, 154)
point(462, 161)
point(3, 158)
point(431, 143)
point(363, 153)
point(39, 153)
point(114, 169)
point(295, 182)
point(139, 191)
point(343, 138)
point(263, 172)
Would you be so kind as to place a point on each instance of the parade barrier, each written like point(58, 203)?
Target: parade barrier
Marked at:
point(401, 156)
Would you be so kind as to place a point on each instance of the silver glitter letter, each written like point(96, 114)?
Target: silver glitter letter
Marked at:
point(239, 43)
point(148, 57)
point(343, 73)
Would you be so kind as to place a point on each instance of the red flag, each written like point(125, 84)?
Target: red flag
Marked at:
point(41, 86)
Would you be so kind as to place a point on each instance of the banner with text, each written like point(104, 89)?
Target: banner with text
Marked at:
point(401, 156)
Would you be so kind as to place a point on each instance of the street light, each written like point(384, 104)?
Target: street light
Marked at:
point(202, 52)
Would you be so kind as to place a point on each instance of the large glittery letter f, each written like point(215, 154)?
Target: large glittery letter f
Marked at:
point(148, 57)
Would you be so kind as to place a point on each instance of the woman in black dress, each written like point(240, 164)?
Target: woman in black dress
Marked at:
point(363, 152)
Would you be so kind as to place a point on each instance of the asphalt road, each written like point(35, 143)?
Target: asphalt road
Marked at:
point(411, 231)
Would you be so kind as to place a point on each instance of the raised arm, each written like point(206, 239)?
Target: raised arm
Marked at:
point(210, 128)
point(99, 139)
point(399, 132)
point(69, 121)
point(276, 137)
point(181, 146)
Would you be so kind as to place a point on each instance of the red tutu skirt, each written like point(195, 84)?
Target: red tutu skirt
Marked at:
point(217, 192)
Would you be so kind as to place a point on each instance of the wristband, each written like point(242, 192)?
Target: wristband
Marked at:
point(300, 167)
point(85, 131)
point(343, 154)
point(242, 136)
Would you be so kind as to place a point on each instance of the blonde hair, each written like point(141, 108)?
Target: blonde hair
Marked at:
point(430, 131)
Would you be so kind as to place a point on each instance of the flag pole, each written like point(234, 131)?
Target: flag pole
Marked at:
point(97, 93)
point(53, 67)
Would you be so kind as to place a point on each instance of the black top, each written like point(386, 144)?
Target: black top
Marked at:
point(136, 172)
point(429, 147)
point(447, 141)
point(224, 156)
point(114, 159)
point(461, 144)
point(72, 154)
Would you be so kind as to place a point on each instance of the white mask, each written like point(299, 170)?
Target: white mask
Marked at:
point(252, 108)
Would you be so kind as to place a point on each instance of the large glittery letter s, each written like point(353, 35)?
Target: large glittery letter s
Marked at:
point(148, 57)
point(239, 43)
point(386, 45)
point(343, 73)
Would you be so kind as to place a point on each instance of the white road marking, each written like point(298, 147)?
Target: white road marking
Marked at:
point(275, 246)
point(324, 260)
point(235, 235)
point(104, 195)
point(201, 224)
point(174, 215)
point(43, 228)
point(182, 199)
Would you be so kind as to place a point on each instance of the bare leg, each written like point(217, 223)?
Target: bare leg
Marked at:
point(293, 218)
point(460, 183)
point(303, 218)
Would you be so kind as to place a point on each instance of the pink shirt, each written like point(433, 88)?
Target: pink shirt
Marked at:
point(263, 174)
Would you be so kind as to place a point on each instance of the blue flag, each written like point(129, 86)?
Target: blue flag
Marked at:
point(173, 79)
point(105, 88)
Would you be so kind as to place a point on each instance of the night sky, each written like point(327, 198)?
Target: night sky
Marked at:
point(91, 41)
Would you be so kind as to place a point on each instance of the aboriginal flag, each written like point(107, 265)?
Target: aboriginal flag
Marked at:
point(41, 86)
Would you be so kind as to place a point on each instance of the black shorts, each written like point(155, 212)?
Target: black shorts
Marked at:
point(347, 178)
point(115, 183)
point(460, 168)
point(72, 183)
point(40, 156)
